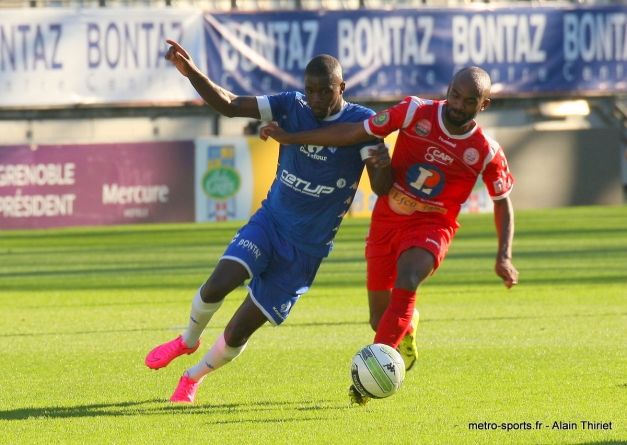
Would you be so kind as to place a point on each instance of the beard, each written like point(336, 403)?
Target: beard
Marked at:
point(460, 119)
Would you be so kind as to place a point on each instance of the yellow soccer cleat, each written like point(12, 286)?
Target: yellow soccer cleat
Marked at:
point(356, 397)
point(407, 347)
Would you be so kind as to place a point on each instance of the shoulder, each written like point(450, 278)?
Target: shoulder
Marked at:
point(415, 102)
point(407, 111)
point(356, 113)
point(290, 103)
point(492, 150)
point(419, 101)
point(287, 98)
point(489, 143)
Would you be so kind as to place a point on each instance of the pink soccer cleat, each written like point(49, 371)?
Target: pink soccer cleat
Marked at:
point(185, 391)
point(162, 355)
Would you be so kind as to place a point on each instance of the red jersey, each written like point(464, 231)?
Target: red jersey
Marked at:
point(435, 171)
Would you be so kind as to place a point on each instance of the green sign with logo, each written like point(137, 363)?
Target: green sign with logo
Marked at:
point(221, 183)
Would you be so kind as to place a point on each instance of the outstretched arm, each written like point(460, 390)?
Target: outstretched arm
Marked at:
point(223, 101)
point(504, 221)
point(336, 135)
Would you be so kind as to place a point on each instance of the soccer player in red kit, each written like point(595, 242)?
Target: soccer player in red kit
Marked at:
point(439, 154)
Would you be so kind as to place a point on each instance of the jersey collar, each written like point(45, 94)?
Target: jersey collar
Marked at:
point(445, 131)
point(337, 115)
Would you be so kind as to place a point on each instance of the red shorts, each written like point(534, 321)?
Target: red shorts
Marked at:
point(384, 246)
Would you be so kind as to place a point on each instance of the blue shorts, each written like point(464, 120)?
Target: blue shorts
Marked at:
point(280, 272)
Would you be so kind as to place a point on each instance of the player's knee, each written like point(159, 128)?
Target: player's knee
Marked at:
point(215, 289)
point(234, 336)
point(409, 280)
point(412, 277)
point(414, 267)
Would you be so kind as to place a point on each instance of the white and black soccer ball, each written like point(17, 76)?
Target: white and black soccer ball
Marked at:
point(377, 371)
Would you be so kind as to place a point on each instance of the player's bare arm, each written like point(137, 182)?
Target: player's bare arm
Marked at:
point(222, 100)
point(379, 156)
point(379, 170)
point(336, 135)
point(504, 221)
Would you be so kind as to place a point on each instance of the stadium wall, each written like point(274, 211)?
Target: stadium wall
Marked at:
point(563, 168)
point(222, 179)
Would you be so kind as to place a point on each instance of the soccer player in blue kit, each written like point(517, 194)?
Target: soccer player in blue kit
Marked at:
point(284, 242)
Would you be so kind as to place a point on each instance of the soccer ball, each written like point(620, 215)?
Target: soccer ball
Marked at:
point(377, 371)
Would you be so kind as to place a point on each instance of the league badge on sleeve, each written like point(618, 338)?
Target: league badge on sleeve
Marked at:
point(381, 119)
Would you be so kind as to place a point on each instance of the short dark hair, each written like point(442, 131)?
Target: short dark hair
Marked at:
point(324, 65)
point(479, 76)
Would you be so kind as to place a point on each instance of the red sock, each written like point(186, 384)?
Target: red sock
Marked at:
point(397, 318)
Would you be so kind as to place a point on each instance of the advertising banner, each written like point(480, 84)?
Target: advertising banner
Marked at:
point(395, 53)
point(95, 56)
point(233, 176)
point(50, 186)
point(87, 185)
point(60, 56)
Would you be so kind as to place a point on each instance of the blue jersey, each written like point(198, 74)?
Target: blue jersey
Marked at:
point(314, 185)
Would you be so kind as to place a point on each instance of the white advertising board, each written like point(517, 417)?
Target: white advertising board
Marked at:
point(95, 56)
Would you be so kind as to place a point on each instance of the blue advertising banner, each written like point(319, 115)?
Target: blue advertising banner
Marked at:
point(395, 53)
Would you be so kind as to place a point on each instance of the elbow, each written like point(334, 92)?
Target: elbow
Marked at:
point(226, 108)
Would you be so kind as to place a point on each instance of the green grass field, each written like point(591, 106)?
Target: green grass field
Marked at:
point(80, 309)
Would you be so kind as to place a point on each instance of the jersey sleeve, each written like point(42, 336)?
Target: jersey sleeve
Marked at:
point(395, 118)
point(265, 110)
point(271, 107)
point(388, 121)
point(496, 175)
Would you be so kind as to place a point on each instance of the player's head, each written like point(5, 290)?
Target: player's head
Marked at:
point(324, 85)
point(467, 95)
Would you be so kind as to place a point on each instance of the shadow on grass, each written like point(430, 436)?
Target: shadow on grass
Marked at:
point(122, 284)
point(523, 232)
point(321, 324)
point(146, 230)
point(130, 270)
point(526, 317)
point(160, 406)
point(173, 328)
point(108, 331)
point(605, 442)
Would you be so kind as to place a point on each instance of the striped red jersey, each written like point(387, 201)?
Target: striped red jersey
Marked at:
point(435, 171)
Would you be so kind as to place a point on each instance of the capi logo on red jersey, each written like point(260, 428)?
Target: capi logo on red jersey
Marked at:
point(434, 154)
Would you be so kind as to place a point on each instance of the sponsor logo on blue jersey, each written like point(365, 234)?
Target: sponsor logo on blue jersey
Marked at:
point(312, 152)
point(303, 186)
